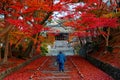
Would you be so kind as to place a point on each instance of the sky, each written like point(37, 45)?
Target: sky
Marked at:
point(57, 14)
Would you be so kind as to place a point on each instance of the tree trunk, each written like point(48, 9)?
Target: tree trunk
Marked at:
point(107, 42)
point(107, 38)
point(31, 44)
point(33, 47)
point(80, 41)
point(6, 30)
point(10, 51)
point(0, 54)
point(32, 51)
point(29, 49)
point(6, 48)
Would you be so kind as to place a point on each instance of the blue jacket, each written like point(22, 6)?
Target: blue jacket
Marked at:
point(61, 58)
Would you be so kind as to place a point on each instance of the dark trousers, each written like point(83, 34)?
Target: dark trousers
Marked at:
point(61, 66)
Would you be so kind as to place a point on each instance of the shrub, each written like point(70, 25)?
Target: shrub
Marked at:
point(43, 51)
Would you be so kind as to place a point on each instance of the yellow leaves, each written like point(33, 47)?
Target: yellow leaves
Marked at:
point(16, 38)
point(17, 33)
point(117, 14)
point(112, 15)
point(41, 14)
point(109, 15)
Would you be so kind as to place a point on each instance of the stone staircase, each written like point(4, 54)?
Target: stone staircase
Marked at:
point(57, 76)
point(50, 72)
point(61, 45)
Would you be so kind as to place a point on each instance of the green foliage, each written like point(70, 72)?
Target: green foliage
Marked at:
point(77, 48)
point(43, 51)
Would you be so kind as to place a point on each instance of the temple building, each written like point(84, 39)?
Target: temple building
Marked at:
point(61, 42)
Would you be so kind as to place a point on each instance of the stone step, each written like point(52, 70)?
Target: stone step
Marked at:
point(56, 77)
point(55, 71)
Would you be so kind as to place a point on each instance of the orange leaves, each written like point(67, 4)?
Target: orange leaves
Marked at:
point(35, 3)
point(38, 49)
point(41, 38)
point(39, 4)
point(51, 38)
point(70, 23)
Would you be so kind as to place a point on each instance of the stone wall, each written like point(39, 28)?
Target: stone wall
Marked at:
point(109, 69)
point(10, 70)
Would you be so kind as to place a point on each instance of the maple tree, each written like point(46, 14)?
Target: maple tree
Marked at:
point(26, 19)
point(93, 19)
